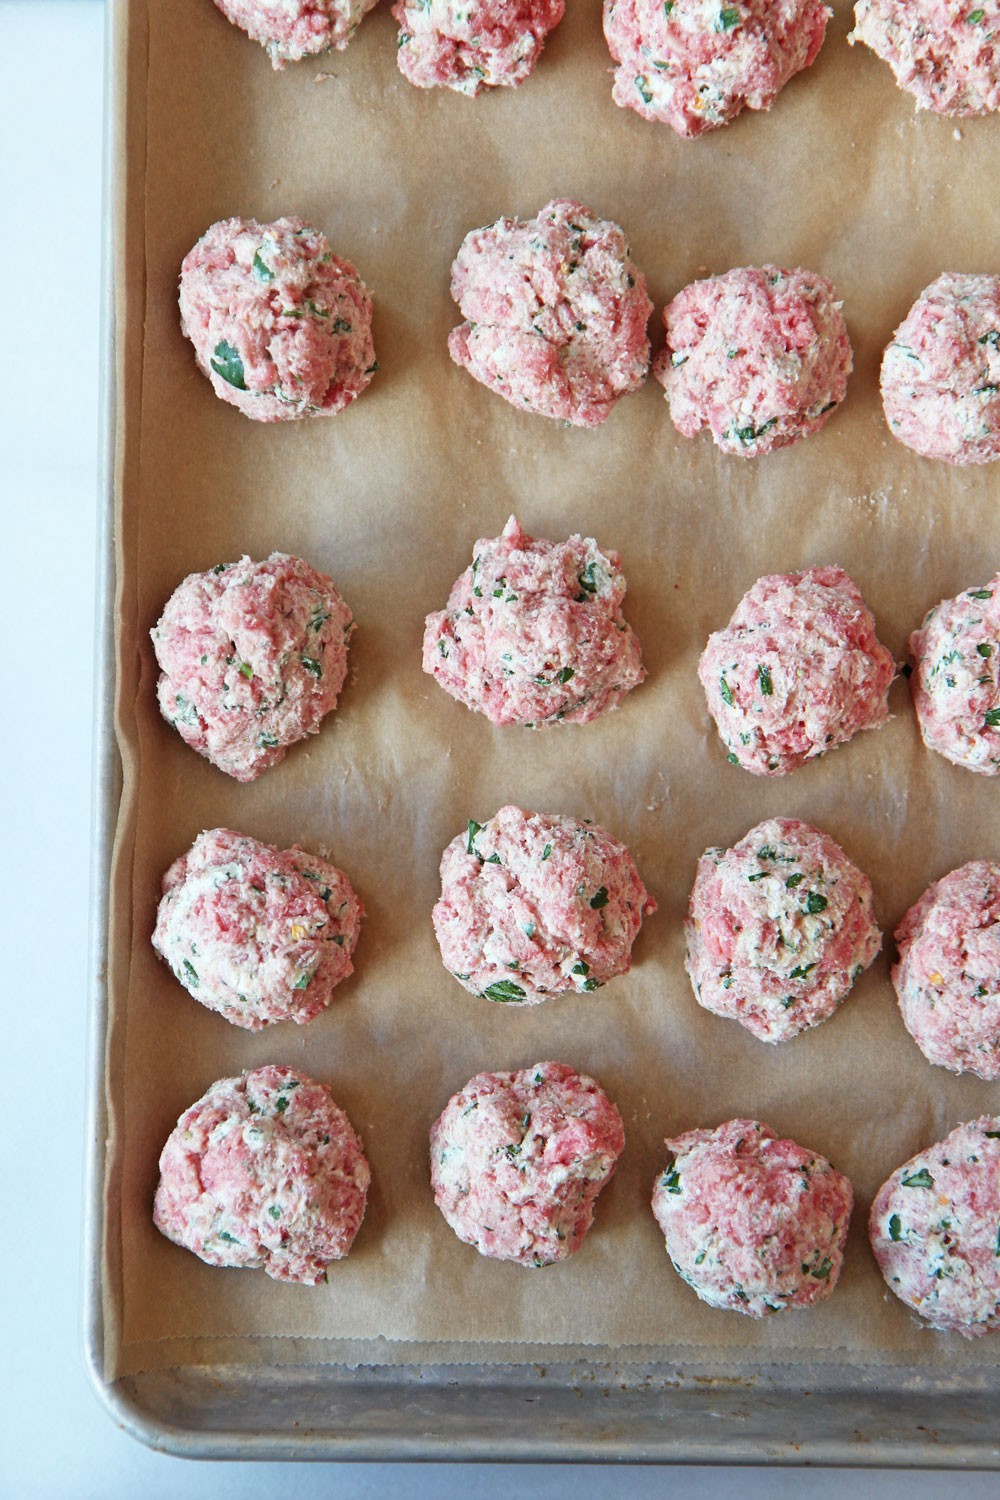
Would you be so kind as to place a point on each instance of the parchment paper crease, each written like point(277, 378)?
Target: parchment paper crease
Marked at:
point(389, 498)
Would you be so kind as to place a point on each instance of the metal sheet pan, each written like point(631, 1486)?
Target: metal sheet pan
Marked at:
point(602, 1408)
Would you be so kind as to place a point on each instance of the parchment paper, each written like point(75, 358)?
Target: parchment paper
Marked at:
point(389, 498)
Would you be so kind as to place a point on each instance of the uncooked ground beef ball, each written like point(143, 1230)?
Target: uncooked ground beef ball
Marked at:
point(280, 325)
point(947, 978)
point(956, 678)
point(941, 373)
point(264, 1171)
point(758, 356)
point(556, 313)
point(534, 905)
point(753, 1223)
point(293, 29)
point(778, 929)
point(252, 656)
point(797, 670)
point(256, 933)
point(471, 45)
point(933, 1230)
point(518, 1160)
point(944, 52)
point(534, 632)
point(696, 64)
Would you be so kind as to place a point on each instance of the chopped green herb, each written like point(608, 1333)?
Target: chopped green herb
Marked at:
point(586, 579)
point(764, 676)
point(565, 674)
point(729, 17)
point(246, 670)
point(282, 1104)
point(228, 366)
point(975, 16)
point(985, 650)
point(190, 971)
point(921, 1179)
point(302, 981)
point(801, 970)
point(599, 898)
point(261, 269)
point(474, 828)
point(274, 1211)
point(815, 903)
point(312, 665)
point(229, 1238)
point(895, 1229)
point(504, 990)
point(546, 851)
point(822, 1271)
point(645, 92)
point(794, 880)
point(993, 718)
point(580, 968)
point(979, 593)
point(726, 691)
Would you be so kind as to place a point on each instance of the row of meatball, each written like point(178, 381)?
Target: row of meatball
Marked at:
point(266, 1171)
point(556, 315)
point(253, 656)
point(535, 905)
point(692, 64)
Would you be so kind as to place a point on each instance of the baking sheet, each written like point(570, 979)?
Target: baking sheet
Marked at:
point(389, 498)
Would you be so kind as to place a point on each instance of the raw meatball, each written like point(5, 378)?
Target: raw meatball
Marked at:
point(280, 325)
point(534, 632)
point(759, 356)
point(293, 29)
point(947, 55)
point(256, 933)
point(778, 929)
point(556, 313)
point(752, 1223)
point(797, 670)
point(941, 373)
point(252, 656)
point(470, 45)
point(947, 979)
point(533, 905)
point(264, 1171)
point(696, 64)
point(956, 678)
point(933, 1230)
point(518, 1159)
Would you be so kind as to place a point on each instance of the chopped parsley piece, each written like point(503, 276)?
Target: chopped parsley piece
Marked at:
point(504, 990)
point(246, 670)
point(726, 691)
point(228, 366)
point(764, 676)
point(895, 1229)
point(599, 898)
point(979, 594)
point(474, 828)
point(302, 981)
point(546, 851)
point(565, 673)
point(312, 665)
point(729, 17)
point(815, 903)
point(921, 1179)
point(261, 269)
point(975, 16)
point(794, 880)
point(993, 718)
point(190, 971)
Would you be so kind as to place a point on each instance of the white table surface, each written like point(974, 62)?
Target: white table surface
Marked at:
point(55, 1438)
